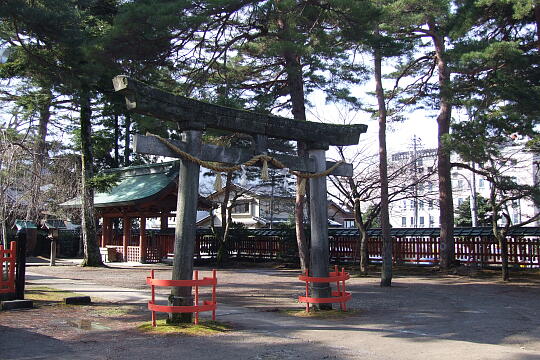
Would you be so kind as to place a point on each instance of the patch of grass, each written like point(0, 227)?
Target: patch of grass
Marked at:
point(203, 328)
point(43, 294)
point(321, 314)
point(116, 311)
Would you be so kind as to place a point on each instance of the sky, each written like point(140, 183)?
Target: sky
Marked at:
point(420, 123)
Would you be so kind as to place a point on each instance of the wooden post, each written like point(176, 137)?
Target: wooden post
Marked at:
point(103, 232)
point(142, 241)
point(319, 256)
point(20, 265)
point(185, 232)
point(127, 235)
point(52, 259)
point(106, 231)
point(164, 223)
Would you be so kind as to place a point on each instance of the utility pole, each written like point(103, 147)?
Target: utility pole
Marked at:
point(272, 199)
point(415, 167)
point(474, 209)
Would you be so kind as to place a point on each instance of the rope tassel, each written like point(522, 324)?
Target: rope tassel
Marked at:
point(243, 177)
point(302, 186)
point(217, 182)
point(264, 171)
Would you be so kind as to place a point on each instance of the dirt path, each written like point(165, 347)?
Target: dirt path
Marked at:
point(420, 317)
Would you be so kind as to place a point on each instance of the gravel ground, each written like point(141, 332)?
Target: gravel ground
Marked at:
point(421, 316)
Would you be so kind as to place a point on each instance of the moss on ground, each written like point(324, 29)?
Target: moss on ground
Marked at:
point(116, 311)
point(321, 314)
point(203, 328)
point(46, 295)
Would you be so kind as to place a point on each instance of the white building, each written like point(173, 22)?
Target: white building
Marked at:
point(419, 207)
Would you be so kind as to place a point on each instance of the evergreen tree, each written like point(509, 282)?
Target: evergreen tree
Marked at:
point(77, 46)
point(463, 217)
point(498, 83)
point(281, 51)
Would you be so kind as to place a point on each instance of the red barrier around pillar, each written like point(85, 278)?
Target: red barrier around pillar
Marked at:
point(206, 305)
point(340, 296)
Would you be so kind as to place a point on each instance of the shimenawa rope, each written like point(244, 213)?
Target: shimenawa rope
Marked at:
point(265, 159)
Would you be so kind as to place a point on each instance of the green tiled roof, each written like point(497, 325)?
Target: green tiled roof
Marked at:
point(137, 183)
point(23, 224)
point(398, 232)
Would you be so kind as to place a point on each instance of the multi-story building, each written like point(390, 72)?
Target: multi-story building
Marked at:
point(418, 207)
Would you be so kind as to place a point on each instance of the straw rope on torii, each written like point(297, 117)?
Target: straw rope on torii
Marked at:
point(265, 159)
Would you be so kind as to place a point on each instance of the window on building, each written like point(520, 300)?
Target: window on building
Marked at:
point(430, 204)
point(404, 221)
point(481, 183)
point(241, 208)
point(460, 184)
point(430, 187)
point(515, 203)
point(515, 219)
point(411, 203)
point(404, 204)
point(421, 220)
point(431, 221)
point(348, 224)
point(460, 201)
point(421, 205)
point(420, 162)
point(412, 221)
point(420, 188)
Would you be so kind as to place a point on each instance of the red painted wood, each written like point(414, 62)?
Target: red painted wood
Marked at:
point(340, 296)
point(8, 256)
point(206, 305)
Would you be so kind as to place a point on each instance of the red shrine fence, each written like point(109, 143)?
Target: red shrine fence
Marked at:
point(7, 268)
point(475, 246)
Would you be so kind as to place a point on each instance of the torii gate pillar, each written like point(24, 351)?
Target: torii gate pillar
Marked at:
point(319, 253)
point(185, 232)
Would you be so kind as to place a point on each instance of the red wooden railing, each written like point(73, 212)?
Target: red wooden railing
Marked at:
point(482, 250)
point(7, 276)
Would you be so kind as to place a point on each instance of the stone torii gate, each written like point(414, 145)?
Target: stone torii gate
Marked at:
point(193, 117)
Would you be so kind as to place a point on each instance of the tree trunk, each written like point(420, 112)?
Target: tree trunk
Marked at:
point(185, 232)
point(226, 222)
point(3, 231)
point(40, 151)
point(503, 244)
point(386, 270)
point(127, 143)
point(446, 205)
point(92, 256)
point(296, 91)
point(362, 239)
point(500, 236)
point(295, 84)
point(537, 20)
point(116, 141)
point(359, 222)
